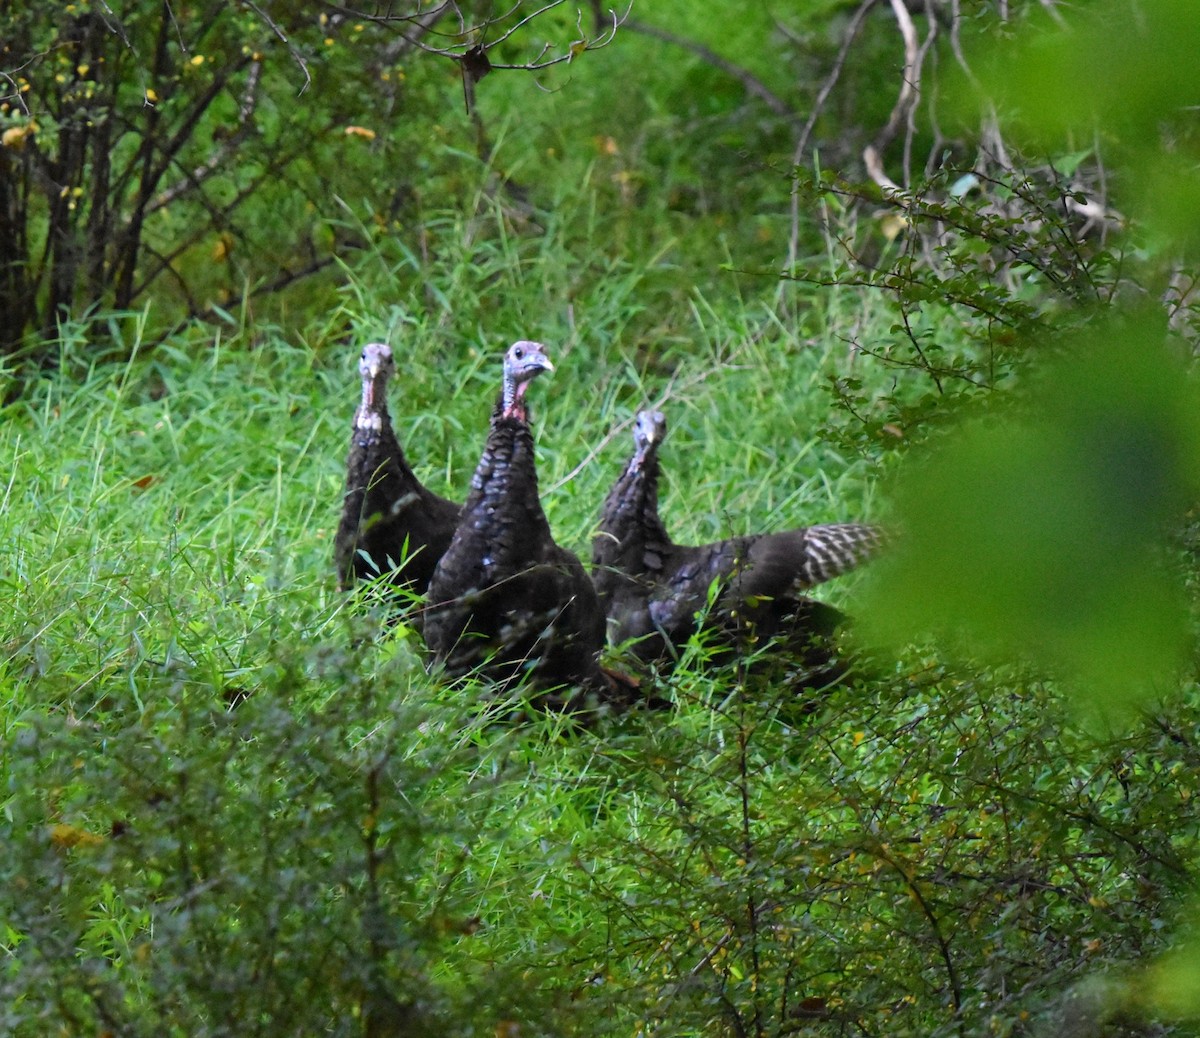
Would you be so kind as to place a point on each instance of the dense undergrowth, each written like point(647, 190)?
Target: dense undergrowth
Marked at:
point(235, 800)
point(239, 804)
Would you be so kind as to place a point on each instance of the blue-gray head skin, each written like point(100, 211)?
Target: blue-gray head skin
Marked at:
point(649, 429)
point(523, 362)
point(376, 366)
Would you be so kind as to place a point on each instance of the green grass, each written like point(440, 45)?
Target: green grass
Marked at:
point(279, 804)
point(235, 800)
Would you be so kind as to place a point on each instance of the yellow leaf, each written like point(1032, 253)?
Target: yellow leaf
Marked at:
point(15, 136)
point(360, 131)
point(223, 247)
point(65, 836)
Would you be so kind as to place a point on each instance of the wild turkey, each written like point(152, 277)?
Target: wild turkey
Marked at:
point(652, 588)
point(391, 523)
point(505, 600)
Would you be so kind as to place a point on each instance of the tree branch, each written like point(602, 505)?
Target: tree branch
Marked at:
point(818, 106)
point(905, 101)
point(297, 57)
point(216, 160)
point(471, 37)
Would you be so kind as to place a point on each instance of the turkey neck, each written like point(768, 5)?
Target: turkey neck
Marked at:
point(504, 488)
point(374, 435)
point(372, 415)
point(512, 400)
point(636, 524)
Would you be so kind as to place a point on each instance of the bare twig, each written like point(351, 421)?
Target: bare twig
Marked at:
point(579, 46)
point(8, 74)
point(423, 26)
point(818, 106)
point(910, 125)
point(527, 19)
point(1052, 10)
point(905, 101)
point(297, 57)
point(674, 386)
point(418, 18)
point(16, 91)
point(470, 36)
point(216, 161)
point(115, 26)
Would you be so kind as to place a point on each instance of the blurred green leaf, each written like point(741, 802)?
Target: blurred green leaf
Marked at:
point(1039, 533)
point(1126, 71)
point(1174, 981)
point(1126, 64)
point(1171, 983)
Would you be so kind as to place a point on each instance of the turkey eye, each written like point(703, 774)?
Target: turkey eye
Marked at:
point(518, 353)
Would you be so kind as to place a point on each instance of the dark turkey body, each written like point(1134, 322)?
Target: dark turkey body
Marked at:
point(748, 589)
point(388, 516)
point(505, 598)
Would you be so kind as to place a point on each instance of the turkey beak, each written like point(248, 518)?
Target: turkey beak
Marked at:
point(534, 362)
point(651, 425)
point(540, 362)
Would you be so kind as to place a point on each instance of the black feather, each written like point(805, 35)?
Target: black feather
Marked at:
point(748, 589)
point(391, 523)
point(505, 600)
